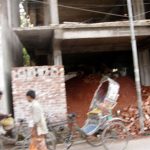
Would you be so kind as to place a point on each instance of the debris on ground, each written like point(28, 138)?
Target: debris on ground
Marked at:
point(131, 116)
point(80, 92)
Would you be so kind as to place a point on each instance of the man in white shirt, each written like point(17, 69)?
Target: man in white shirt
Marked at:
point(39, 127)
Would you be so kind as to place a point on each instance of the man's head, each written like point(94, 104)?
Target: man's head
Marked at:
point(1, 93)
point(30, 95)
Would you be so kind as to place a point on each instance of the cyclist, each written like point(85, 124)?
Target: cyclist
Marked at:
point(6, 121)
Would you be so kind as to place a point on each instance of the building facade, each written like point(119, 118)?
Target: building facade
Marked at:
point(86, 37)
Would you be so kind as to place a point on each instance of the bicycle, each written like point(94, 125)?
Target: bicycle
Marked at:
point(15, 136)
point(66, 132)
point(101, 127)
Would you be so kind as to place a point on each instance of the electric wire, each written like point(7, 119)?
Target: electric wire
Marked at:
point(85, 5)
point(88, 5)
point(83, 9)
point(93, 11)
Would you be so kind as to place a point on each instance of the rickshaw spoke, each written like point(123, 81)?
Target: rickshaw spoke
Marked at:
point(115, 132)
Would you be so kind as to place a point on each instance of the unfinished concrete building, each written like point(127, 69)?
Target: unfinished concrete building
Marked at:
point(76, 33)
point(87, 37)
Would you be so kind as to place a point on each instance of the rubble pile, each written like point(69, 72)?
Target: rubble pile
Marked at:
point(80, 92)
point(131, 114)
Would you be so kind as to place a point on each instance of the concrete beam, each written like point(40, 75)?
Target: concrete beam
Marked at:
point(98, 30)
point(105, 32)
point(95, 48)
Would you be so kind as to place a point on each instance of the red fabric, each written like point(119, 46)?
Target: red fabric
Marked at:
point(37, 142)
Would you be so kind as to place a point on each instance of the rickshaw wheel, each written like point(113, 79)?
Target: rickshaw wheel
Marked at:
point(115, 136)
point(26, 142)
point(94, 140)
point(51, 141)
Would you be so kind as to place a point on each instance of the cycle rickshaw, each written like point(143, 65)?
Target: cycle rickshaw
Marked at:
point(101, 124)
point(100, 127)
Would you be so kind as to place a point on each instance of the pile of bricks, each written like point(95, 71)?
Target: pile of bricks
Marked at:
point(131, 114)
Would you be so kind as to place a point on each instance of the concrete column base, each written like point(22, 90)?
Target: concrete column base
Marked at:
point(144, 63)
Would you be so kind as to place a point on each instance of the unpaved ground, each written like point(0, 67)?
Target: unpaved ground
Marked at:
point(137, 144)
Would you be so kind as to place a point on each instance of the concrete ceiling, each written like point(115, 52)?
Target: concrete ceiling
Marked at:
point(70, 10)
point(90, 59)
point(98, 45)
point(36, 39)
point(74, 15)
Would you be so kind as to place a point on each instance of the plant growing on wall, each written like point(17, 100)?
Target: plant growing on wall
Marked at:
point(26, 57)
point(24, 18)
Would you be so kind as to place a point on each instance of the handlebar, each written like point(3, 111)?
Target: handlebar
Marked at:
point(21, 121)
point(72, 116)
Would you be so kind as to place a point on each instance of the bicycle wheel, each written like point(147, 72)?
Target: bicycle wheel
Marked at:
point(115, 136)
point(6, 142)
point(94, 140)
point(26, 142)
point(1, 145)
point(51, 141)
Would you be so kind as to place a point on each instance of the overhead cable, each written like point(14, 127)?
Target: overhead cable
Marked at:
point(83, 9)
point(89, 10)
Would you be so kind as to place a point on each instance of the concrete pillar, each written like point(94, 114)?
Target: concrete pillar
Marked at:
point(144, 62)
point(33, 16)
point(138, 9)
point(57, 54)
point(54, 16)
point(10, 55)
point(142, 76)
point(50, 59)
point(13, 13)
point(47, 15)
point(54, 19)
point(4, 65)
point(3, 102)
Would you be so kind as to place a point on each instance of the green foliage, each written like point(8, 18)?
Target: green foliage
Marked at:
point(24, 18)
point(26, 57)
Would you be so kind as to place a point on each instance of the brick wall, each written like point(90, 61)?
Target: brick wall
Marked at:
point(48, 82)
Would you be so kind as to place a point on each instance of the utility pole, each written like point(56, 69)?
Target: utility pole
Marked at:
point(136, 65)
